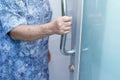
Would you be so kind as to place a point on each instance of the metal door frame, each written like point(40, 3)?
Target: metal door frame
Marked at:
point(77, 22)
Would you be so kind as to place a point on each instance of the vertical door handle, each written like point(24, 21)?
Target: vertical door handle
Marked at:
point(63, 37)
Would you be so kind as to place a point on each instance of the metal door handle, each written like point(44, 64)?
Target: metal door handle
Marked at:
point(63, 37)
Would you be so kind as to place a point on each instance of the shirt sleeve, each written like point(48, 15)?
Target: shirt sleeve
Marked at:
point(10, 18)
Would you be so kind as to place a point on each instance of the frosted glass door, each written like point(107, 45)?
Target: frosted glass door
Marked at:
point(100, 45)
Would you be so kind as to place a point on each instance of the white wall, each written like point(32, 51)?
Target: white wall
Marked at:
point(56, 7)
point(59, 65)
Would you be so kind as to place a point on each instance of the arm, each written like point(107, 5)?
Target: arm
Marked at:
point(33, 32)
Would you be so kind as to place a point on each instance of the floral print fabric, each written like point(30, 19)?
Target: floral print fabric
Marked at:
point(22, 60)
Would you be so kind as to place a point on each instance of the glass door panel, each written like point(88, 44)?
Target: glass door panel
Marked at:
point(100, 44)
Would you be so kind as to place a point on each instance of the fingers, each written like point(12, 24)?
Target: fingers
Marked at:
point(65, 21)
point(65, 28)
point(66, 32)
point(65, 24)
point(66, 18)
point(62, 25)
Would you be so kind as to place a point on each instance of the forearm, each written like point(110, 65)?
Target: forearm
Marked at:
point(31, 32)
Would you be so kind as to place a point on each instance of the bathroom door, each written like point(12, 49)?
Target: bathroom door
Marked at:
point(96, 40)
point(99, 47)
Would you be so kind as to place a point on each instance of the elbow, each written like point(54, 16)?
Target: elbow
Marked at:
point(12, 35)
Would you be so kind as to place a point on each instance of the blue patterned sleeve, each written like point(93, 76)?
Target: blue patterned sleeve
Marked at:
point(10, 17)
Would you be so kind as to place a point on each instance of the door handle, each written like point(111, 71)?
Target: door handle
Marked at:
point(64, 36)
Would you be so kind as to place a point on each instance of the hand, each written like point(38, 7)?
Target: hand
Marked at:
point(61, 25)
